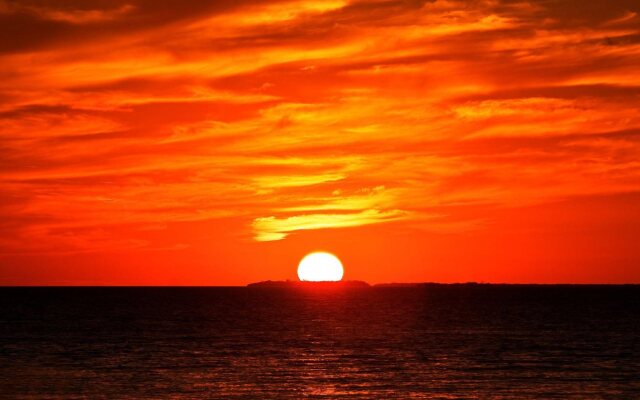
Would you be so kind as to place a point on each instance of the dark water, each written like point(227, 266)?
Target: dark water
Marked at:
point(422, 342)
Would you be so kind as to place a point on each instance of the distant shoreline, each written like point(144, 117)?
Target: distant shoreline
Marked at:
point(296, 284)
point(311, 284)
point(363, 284)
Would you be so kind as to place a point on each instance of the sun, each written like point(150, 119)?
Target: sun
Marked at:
point(320, 266)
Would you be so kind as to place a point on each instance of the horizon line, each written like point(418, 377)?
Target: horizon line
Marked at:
point(470, 283)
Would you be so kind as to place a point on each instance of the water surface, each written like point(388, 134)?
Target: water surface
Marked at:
point(475, 341)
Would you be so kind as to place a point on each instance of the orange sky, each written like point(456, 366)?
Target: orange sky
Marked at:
point(216, 143)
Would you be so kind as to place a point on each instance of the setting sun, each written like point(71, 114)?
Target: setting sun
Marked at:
point(320, 267)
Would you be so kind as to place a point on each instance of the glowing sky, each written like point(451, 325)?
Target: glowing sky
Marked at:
point(162, 142)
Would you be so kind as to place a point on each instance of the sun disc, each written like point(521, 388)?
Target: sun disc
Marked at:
point(320, 266)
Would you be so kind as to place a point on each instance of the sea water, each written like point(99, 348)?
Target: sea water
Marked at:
point(431, 341)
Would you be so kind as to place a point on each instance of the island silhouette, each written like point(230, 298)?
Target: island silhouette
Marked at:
point(362, 284)
point(359, 284)
point(306, 284)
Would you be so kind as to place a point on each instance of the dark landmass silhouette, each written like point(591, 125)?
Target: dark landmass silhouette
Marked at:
point(434, 285)
point(351, 284)
point(305, 284)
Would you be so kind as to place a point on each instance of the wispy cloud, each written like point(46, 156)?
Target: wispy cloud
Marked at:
point(288, 116)
point(272, 228)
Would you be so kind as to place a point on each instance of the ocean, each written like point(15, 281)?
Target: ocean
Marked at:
point(424, 342)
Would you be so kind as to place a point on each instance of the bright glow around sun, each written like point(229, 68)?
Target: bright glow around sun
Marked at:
point(319, 267)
